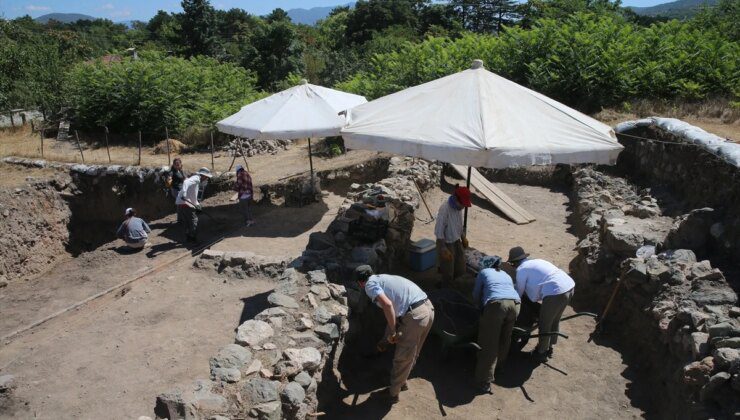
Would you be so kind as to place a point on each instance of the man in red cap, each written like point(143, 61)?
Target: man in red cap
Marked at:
point(451, 239)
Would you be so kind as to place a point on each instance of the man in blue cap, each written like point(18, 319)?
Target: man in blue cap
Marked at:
point(499, 302)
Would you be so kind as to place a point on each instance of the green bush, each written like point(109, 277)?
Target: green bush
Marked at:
point(586, 61)
point(156, 92)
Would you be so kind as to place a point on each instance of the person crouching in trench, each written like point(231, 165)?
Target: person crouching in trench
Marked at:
point(134, 231)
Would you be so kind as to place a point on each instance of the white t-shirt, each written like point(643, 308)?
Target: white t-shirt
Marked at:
point(540, 278)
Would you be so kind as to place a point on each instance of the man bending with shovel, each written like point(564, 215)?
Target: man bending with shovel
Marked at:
point(188, 205)
point(409, 315)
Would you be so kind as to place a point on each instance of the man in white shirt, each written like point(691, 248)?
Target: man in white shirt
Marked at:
point(409, 315)
point(451, 241)
point(541, 281)
point(188, 205)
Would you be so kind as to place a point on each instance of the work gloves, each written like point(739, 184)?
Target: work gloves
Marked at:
point(465, 243)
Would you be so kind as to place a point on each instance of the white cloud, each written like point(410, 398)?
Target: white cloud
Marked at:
point(107, 6)
point(35, 8)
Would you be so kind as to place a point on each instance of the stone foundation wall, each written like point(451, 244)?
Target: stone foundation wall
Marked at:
point(673, 314)
point(693, 173)
point(273, 368)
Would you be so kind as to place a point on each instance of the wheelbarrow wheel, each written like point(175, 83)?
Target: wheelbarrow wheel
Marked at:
point(519, 339)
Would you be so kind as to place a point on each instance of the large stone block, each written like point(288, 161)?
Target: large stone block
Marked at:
point(253, 332)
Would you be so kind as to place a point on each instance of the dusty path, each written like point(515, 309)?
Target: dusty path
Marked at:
point(583, 381)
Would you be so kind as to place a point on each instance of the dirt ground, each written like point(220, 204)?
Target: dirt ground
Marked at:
point(110, 358)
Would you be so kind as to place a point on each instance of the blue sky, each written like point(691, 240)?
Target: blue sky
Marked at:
point(117, 10)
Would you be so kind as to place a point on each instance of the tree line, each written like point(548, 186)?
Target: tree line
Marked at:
point(198, 65)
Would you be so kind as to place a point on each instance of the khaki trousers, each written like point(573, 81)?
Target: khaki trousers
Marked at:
point(550, 313)
point(494, 336)
point(455, 268)
point(414, 327)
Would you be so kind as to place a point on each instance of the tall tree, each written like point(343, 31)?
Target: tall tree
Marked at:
point(274, 51)
point(484, 16)
point(198, 24)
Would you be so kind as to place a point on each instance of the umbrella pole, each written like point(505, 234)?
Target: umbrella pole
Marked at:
point(465, 222)
point(310, 161)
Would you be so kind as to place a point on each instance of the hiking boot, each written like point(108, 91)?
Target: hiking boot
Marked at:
point(386, 396)
point(537, 356)
point(484, 388)
point(549, 353)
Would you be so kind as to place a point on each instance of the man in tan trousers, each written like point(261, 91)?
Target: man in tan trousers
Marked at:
point(451, 240)
point(409, 315)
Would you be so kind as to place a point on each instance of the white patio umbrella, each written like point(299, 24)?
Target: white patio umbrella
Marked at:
point(479, 119)
point(303, 111)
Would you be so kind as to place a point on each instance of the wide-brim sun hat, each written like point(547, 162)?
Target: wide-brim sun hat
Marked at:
point(205, 172)
point(517, 253)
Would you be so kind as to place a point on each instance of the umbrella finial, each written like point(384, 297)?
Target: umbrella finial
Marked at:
point(477, 64)
point(304, 82)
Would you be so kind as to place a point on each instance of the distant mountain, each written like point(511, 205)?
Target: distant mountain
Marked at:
point(314, 14)
point(63, 17)
point(676, 9)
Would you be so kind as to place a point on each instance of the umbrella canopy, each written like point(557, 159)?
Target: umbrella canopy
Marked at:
point(303, 111)
point(477, 118)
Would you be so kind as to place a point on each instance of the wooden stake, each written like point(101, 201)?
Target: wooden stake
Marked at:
point(79, 146)
point(213, 164)
point(107, 148)
point(167, 140)
point(42, 142)
point(139, 162)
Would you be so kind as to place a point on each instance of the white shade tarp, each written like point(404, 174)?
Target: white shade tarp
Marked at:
point(477, 118)
point(303, 111)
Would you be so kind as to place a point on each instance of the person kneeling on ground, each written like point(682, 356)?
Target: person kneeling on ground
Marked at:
point(243, 188)
point(134, 231)
point(409, 314)
point(188, 205)
point(451, 239)
point(543, 282)
point(499, 302)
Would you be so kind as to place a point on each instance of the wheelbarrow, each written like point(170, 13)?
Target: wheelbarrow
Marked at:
point(455, 320)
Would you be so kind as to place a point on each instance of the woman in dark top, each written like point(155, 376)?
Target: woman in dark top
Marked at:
point(175, 180)
point(176, 177)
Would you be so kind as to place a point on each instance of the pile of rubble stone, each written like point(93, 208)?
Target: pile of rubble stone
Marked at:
point(255, 147)
point(273, 368)
point(674, 311)
point(374, 224)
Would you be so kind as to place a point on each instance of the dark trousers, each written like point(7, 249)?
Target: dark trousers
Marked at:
point(189, 218)
point(245, 210)
point(494, 337)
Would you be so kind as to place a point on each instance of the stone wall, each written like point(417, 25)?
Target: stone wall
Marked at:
point(675, 316)
point(694, 174)
point(273, 368)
